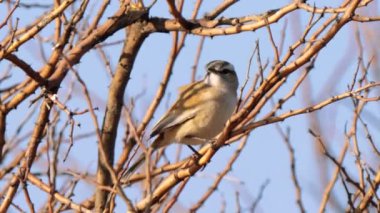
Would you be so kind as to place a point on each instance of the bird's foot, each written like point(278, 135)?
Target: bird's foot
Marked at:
point(196, 153)
point(196, 156)
point(213, 145)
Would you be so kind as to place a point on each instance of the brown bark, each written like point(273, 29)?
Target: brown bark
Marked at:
point(134, 39)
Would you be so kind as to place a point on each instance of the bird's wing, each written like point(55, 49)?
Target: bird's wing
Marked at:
point(170, 120)
point(184, 88)
point(181, 111)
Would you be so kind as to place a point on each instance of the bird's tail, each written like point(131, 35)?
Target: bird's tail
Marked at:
point(127, 174)
point(157, 143)
point(140, 160)
point(136, 164)
point(132, 169)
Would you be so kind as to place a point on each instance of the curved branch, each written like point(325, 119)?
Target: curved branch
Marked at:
point(37, 28)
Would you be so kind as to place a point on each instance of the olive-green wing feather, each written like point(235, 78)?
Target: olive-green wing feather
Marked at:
point(182, 110)
point(170, 120)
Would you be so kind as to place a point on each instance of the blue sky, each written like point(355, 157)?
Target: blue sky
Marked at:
point(265, 157)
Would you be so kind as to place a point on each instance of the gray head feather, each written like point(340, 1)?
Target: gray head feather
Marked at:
point(220, 66)
point(226, 73)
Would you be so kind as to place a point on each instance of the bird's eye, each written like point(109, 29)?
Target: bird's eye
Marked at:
point(224, 71)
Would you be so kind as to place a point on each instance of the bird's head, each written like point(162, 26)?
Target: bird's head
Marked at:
point(221, 74)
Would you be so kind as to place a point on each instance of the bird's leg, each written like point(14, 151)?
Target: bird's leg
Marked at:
point(195, 151)
point(197, 156)
point(192, 148)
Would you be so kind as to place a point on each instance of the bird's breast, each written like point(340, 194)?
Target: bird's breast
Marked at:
point(214, 113)
point(213, 108)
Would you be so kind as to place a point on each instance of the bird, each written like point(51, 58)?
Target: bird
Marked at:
point(200, 111)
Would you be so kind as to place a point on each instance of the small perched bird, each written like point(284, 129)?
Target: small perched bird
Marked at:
point(201, 110)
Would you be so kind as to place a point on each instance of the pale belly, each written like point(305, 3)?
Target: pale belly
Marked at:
point(208, 122)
